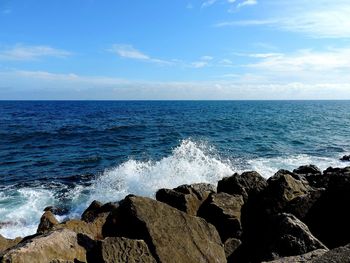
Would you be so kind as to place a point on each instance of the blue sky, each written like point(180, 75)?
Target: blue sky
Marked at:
point(183, 49)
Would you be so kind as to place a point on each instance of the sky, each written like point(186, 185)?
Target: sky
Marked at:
point(171, 50)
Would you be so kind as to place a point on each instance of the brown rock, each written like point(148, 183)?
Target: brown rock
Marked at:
point(93, 229)
point(231, 246)
point(91, 212)
point(328, 218)
point(305, 258)
point(8, 243)
point(171, 235)
point(224, 212)
point(57, 245)
point(336, 255)
point(289, 237)
point(47, 222)
point(186, 198)
point(245, 184)
point(119, 250)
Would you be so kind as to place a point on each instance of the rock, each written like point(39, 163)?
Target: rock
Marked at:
point(337, 255)
point(312, 174)
point(301, 205)
point(8, 243)
point(305, 258)
point(171, 235)
point(95, 209)
point(328, 218)
point(57, 245)
point(120, 249)
point(91, 212)
point(246, 184)
point(186, 198)
point(231, 246)
point(280, 235)
point(345, 158)
point(282, 188)
point(290, 237)
point(47, 222)
point(287, 185)
point(56, 210)
point(93, 229)
point(224, 212)
point(308, 170)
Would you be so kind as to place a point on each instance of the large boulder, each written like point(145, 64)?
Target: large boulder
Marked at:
point(337, 255)
point(304, 258)
point(186, 198)
point(93, 229)
point(282, 188)
point(8, 243)
point(47, 222)
point(120, 249)
point(312, 174)
point(95, 209)
point(301, 205)
point(328, 218)
point(308, 170)
point(289, 236)
point(247, 184)
point(56, 246)
point(171, 235)
point(277, 236)
point(224, 212)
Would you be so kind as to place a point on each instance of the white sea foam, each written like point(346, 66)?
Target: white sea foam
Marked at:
point(188, 163)
point(269, 166)
point(21, 209)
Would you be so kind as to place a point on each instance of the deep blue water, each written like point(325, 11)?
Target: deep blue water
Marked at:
point(60, 152)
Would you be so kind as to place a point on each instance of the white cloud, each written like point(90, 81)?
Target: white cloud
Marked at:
point(199, 64)
point(46, 85)
point(128, 51)
point(305, 61)
point(314, 18)
point(207, 58)
point(22, 52)
point(247, 3)
point(245, 23)
point(208, 3)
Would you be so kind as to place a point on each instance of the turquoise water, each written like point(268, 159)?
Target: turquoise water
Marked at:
point(68, 153)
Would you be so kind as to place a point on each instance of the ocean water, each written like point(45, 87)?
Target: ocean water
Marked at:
point(69, 153)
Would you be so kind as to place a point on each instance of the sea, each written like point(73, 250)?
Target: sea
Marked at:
point(69, 153)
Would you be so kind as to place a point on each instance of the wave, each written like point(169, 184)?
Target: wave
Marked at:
point(191, 162)
point(188, 163)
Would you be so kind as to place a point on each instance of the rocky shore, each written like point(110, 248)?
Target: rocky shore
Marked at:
point(298, 216)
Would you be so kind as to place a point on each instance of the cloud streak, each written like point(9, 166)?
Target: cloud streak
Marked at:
point(43, 85)
point(129, 52)
point(21, 52)
point(317, 19)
